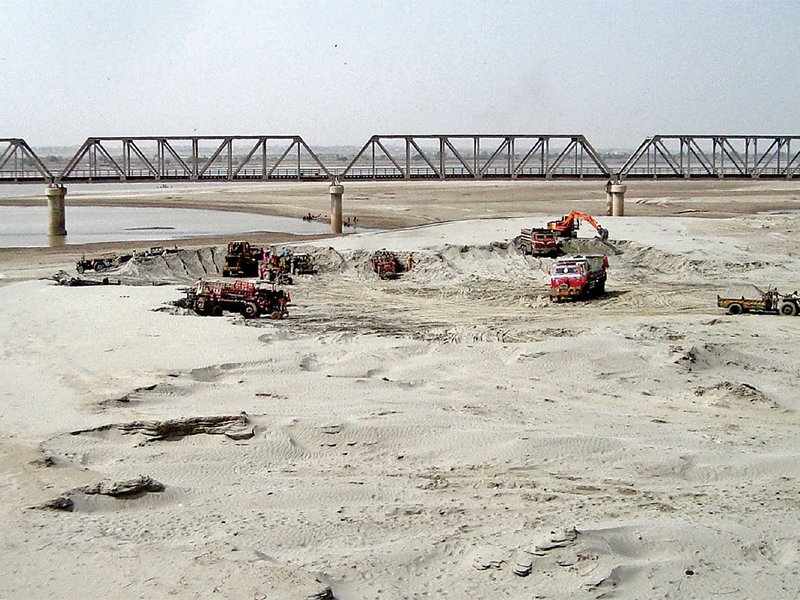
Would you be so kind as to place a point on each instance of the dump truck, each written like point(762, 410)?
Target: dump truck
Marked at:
point(578, 277)
point(245, 297)
point(770, 301)
point(537, 241)
point(385, 264)
point(241, 260)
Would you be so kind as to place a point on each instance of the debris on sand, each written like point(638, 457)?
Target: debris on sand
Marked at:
point(727, 393)
point(64, 278)
point(121, 489)
point(116, 489)
point(236, 427)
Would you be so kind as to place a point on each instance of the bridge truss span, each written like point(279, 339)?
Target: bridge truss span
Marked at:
point(20, 164)
point(194, 158)
point(714, 156)
point(499, 156)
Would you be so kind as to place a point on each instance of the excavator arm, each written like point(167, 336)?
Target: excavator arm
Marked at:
point(566, 225)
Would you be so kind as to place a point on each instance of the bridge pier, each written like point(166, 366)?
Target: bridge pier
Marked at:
point(336, 190)
point(56, 210)
point(617, 193)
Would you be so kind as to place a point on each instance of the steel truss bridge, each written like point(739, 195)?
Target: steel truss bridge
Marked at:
point(399, 157)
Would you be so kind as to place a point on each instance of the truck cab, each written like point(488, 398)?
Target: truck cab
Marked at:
point(578, 276)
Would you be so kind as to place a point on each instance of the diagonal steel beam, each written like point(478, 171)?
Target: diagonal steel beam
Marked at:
point(32, 156)
point(225, 143)
point(634, 158)
point(458, 156)
point(131, 145)
point(313, 155)
point(552, 167)
point(594, 155)
point(70, 166)
point(732, 154)
point(695, 150)
point(769, 155)
point(9, 152)
point(248, 157)
point(358, 156)
point(168, 147)
point(389, 156)
point(280, 159)
point(104, 152)
point(494, 155)
point(789, 170)
point(424, 157)
point(539, 145)
point(663, 151)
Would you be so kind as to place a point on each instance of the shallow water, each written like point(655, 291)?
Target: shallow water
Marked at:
point(26, 226)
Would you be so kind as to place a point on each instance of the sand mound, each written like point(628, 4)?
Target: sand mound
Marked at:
point(177, 267)
point(730, 395)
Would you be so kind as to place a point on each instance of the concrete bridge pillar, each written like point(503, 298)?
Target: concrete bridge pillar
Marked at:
point(336, 190)
point(56, 210)
point(617, 193)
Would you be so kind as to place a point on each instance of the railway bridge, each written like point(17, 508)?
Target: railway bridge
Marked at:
point(392, 157)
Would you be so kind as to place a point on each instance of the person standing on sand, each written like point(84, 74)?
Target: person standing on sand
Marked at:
point(410, 261)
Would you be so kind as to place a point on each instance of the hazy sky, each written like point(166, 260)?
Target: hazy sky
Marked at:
point(337, 72)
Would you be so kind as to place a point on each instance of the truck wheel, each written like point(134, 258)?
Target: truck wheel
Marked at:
point(735, 309)
point(80, 269)
point(250, 310)
point(788, 308)
point(276, 314)
point(99, 267)
point(216, 310)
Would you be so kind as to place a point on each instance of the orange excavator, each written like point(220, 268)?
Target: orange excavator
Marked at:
point(567, 226)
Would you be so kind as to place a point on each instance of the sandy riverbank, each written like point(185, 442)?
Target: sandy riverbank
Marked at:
point(450, 434)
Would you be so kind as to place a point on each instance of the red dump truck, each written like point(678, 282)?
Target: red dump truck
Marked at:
point(537, 241)
point(245, 297)
point(578, 276)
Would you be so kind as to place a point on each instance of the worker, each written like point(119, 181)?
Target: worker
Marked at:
point(410, 261)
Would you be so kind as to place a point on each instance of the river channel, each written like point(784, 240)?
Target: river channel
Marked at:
point(26, 226)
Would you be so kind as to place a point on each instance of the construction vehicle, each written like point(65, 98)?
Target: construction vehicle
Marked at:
point(245, 297)
point(771, 301)
point(241, 260)
point(568, 225)
point(109, 261)
point(274, 274)
point(279, 267)
point(537, 241)
point(385, 264)
point(302, 264)
point(578, 276)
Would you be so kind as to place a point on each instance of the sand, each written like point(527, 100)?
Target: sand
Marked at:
point(449, 434)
